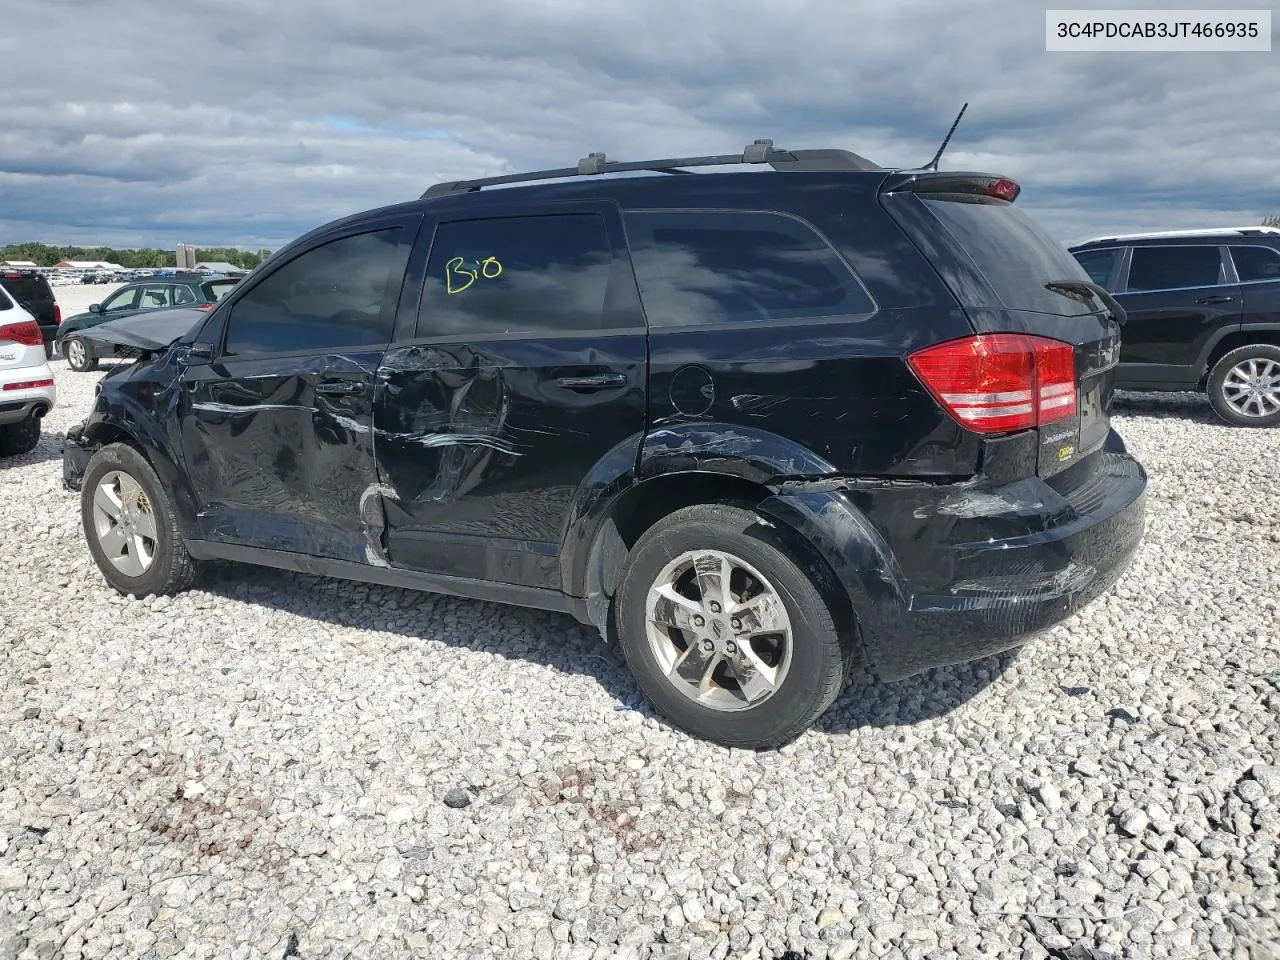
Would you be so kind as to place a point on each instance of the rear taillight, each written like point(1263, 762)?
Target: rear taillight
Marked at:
point(28, 384)
point(26, 332)
point(205, 306)
point(1000, 382)
point(57, 315)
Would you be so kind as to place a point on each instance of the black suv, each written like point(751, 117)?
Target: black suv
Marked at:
point(751, 426)
point(31, 289)
point(1204, 314)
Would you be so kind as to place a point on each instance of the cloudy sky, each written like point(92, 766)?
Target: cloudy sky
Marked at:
point(140, 122)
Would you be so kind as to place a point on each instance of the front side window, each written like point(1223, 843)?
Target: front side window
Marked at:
point(331, 296)
point(1099, 264)
point(516, 276)
point(711, 267)
point(126, 299)
point(1174, 268)
point(1256, 263)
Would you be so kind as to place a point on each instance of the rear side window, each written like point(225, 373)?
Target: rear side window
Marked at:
point(716, 267)
point(331, 296)
point(217, 289)
point(1174, 268)
point(1256, 263)
point(5, 302)
point(516, 276)
point(1099, 264)
point(1014, 253)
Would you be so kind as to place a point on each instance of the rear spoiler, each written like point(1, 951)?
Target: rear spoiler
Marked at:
point(965, 184)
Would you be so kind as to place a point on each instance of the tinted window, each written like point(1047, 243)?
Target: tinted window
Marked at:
point(126, 299)
point(331, 296)
point(733, 267)
point(516, 275)
point(1099, 263)
point(1016, 256)
point(27, 288)
point(1256, 263)
point(1168, 268)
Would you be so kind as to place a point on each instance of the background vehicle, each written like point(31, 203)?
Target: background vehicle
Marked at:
point(739, 422)
point(1204, 314)
point(31, 289)
point(75, 340)
point(27, 390)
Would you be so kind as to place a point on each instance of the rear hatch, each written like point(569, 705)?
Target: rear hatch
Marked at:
point(1021, 289)
point(31, 290)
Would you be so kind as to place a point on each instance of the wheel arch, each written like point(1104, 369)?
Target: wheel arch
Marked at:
point(1233, 339)
point(102, 431)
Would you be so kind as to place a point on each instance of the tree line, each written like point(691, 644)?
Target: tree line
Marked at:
point(141, 258)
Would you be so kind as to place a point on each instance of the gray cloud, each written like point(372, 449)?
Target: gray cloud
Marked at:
point(244, 122)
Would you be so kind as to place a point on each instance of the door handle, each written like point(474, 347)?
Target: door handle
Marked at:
point(340, 388)
point(600, 381)
point(1217, 299)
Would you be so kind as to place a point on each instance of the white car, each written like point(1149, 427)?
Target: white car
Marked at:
point(27, 392)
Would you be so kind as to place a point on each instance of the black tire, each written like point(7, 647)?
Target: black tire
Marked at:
point(1263, 354)
point(19, 438)
point(819, 659)
point(48, 349)
point(171, 569)
point(79, 354)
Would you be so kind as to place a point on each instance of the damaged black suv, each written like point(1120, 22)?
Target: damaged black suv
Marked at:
point(750, 425)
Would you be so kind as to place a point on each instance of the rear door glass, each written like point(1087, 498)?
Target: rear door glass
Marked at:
point(1174, 268)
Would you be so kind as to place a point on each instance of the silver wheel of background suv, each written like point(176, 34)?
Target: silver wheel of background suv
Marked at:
point(1252, 387)
point(719, 630)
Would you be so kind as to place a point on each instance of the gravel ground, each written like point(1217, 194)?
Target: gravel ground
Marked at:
point(274, 765)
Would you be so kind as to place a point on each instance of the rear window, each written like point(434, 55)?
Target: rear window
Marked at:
point(26, 288)
point(1016, 256)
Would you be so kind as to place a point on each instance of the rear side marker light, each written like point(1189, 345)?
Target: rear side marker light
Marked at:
point(1000, 382)
point(28, 384)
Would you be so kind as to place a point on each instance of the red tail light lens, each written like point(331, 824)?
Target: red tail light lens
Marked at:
point(205, 306)
point(57, 314)
point(1000, 382)
point(27, 332)
point(28, 384)
point(1004, 189)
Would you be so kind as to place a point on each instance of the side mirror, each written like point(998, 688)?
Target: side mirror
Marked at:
point(200, 353)
point(95, 308)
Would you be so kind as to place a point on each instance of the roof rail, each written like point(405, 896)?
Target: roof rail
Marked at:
point(1208, 232)
point(762, 151)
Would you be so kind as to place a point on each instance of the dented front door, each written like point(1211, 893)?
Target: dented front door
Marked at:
point(526, 367)
point(277, 428)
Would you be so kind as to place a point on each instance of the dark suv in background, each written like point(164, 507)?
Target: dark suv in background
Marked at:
point(751, 426)
point(1204, 314)
point(31, 289)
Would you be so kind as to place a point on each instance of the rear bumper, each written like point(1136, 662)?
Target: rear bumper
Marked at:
point(941, 574)
point(17, 405)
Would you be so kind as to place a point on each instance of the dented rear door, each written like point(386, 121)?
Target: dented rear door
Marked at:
point(523, 368)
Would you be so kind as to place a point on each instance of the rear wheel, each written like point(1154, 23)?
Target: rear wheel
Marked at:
point(724, 631)
point(130, 525)
point(19, 438)
point(1244, 386)
point(79, 356)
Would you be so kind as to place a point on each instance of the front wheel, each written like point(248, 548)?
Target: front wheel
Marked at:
point(130, 525)
point(1244, 386)
point(725, 632)
point(79, 357)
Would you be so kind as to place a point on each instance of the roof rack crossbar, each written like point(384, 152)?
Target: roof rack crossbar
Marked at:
point(1258, 231)
point(761, 151)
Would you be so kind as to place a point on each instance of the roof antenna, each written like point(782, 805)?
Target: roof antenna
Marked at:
point(933, 164)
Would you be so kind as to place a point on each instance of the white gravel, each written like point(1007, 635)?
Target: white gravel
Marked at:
point(275, 765)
